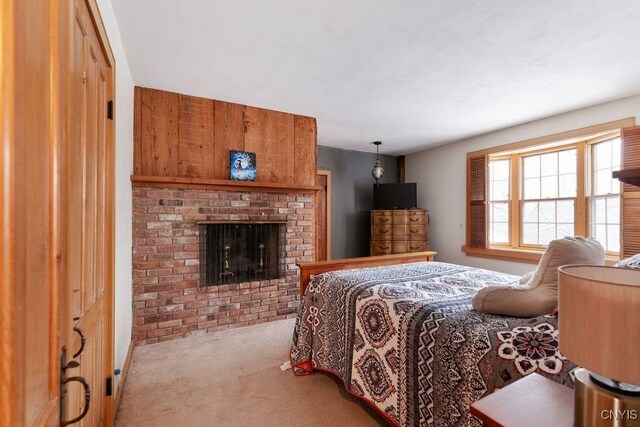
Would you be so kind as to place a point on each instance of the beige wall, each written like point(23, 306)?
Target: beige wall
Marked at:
point(441, 177)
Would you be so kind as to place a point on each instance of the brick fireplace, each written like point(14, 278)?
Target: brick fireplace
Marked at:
point(170, 299)
point(181, 182)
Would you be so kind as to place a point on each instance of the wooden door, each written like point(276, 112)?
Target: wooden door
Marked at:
point(323, 216)
point(34, 321)
point(90, 212)
point(56, 211)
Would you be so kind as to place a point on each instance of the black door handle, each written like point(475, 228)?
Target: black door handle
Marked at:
point(83, 341)
point(87, 399)
point(63, 388)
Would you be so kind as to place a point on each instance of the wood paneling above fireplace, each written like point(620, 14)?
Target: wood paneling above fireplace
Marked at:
point(180, 136)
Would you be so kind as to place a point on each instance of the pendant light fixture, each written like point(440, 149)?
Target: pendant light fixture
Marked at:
point(377, 170)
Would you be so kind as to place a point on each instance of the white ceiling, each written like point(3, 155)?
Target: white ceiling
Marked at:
point(412, 73)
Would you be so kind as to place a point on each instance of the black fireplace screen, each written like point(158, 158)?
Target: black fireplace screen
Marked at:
point(239, 252)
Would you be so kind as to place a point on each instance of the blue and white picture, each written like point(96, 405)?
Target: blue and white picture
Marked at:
point(243, 166)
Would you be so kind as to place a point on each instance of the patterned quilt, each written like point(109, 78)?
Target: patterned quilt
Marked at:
point(405, 339)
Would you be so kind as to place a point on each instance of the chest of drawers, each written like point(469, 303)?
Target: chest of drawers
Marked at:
point(399, 231)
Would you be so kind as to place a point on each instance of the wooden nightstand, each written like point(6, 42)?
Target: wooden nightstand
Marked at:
point(532, 401)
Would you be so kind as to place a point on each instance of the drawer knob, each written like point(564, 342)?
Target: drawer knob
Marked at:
point(414, 219)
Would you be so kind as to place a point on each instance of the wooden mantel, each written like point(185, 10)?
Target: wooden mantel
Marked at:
point(219, 184)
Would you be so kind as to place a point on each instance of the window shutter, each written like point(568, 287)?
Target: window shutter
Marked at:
point(630, 193)
point(477, 202)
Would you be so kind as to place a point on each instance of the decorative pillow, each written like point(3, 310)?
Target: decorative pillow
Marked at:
point(633, 262)
point(524, 279)
point(539, 295)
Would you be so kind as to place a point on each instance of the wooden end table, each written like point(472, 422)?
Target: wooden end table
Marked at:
point(532, 401)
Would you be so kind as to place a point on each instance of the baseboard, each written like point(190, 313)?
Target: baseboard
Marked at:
point(123, 379)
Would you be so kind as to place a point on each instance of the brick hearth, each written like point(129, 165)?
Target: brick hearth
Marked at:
point(168, 299)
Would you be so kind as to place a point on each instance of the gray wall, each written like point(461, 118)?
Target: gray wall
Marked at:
point(352, 197)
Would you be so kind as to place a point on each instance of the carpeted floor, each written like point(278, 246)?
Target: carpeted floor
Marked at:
point(233, 378)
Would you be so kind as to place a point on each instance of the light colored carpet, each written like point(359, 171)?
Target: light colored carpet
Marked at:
point(233, 378)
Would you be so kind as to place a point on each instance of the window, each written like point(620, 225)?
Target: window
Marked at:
point(546, 189)
point(547, 179)
point(549, 196)
point(499, 182)
point(604, 202)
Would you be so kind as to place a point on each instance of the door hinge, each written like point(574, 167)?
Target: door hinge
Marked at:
point(109, 385)
point(110, 110)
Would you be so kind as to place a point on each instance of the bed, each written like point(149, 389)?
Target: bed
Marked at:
point(405, 339)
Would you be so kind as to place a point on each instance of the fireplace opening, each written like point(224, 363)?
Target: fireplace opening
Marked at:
point(241, 252)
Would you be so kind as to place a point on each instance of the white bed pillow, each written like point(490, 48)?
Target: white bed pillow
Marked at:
point(539, 295)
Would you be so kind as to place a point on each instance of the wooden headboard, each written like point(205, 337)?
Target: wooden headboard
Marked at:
point(309, 269)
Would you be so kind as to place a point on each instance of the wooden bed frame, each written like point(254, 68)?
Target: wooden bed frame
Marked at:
point(310, 269)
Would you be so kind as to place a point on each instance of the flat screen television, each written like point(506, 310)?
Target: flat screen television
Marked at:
point(394, 196)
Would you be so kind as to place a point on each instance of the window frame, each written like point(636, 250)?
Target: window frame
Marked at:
point(582, 140)
point(508, 201)
point(516, 193)
point(591, 184)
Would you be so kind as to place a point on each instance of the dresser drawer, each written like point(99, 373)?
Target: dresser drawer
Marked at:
point(416, 232)
point(381, 218)
point(417, 246)
point(380, 248)
point(408, 246)
point(382, 232)
point(417, 217)
point(409, 231)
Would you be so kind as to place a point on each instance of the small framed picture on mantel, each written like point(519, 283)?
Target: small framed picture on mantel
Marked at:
point(243, 166)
